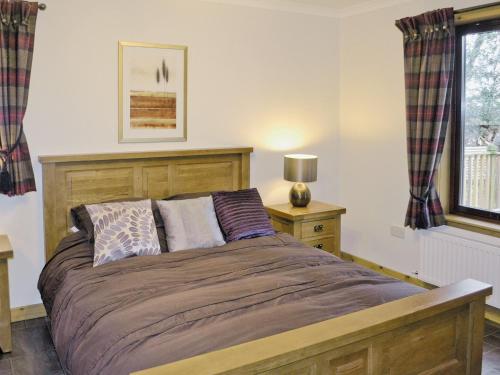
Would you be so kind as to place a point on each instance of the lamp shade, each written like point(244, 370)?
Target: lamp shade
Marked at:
point(301, 168)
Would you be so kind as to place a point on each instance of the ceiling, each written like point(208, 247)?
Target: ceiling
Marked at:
point(327, 8)
point(334, 4)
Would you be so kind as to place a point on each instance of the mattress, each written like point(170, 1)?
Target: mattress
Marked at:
point(142, 312)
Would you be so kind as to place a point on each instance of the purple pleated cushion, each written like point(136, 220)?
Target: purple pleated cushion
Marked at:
point(241, 214)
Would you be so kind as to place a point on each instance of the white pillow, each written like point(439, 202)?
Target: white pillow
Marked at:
point(123, 229)
point(190, 224)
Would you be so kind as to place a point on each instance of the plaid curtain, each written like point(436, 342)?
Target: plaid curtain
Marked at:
point(429, 54)
point(17, 33)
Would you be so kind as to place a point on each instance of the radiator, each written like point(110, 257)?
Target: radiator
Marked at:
point(448, 255)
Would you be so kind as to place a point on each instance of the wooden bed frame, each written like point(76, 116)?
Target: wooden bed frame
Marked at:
point(436, 332)
point(70, 180)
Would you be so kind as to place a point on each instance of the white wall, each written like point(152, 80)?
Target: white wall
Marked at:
point(273, 80)
point(256, 78)
point(373, 174)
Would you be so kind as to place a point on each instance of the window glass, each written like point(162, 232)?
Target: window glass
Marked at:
point(479, 119)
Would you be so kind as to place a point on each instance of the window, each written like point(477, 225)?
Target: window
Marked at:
point(475, 187)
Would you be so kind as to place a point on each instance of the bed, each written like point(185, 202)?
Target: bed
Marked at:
point(265, 305)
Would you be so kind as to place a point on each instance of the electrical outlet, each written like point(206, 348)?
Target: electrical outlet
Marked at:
point(398, 232)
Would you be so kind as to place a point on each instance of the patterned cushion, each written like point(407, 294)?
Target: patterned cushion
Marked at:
point(123, 229)
point(242, 215)
point(82, 221)
point(190, 224)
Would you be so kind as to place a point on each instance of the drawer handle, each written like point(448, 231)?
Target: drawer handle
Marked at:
point(318, 228)
point(319, 246)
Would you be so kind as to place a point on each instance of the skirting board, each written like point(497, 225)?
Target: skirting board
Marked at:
point(27, 312)
point(386, 271)
point(492, 314)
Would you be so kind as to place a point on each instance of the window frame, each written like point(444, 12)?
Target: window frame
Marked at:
point(457, 120)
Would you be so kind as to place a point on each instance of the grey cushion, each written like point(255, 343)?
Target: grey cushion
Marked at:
point(181, 196)
point(190, 224)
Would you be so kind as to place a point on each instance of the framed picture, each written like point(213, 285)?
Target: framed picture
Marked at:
point(152, 89)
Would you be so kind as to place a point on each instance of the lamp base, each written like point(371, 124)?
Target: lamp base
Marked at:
point(300, 195)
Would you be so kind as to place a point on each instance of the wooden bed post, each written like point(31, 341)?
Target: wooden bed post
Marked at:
point(475, 336)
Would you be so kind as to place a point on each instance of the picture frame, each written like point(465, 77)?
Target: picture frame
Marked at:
point(152, 92)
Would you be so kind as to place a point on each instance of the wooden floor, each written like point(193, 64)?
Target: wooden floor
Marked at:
point(34, 353)
point(491, 350)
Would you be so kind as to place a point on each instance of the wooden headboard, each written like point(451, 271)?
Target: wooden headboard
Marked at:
point(70, 180)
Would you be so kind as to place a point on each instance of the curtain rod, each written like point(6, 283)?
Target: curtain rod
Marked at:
point(477, 7)
point(42, 6)
point(478, 13)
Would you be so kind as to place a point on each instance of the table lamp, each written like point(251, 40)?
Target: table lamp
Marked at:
point(300, 168)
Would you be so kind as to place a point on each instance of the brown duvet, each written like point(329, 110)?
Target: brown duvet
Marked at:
point(146, 311)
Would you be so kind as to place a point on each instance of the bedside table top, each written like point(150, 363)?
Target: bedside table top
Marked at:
point(315, 208)
point(5, 247)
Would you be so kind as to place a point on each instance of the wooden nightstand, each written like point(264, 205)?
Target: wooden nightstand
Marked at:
point(317, 225)
point(6, 252)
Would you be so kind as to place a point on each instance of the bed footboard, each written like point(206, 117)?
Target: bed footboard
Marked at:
point(436, 332)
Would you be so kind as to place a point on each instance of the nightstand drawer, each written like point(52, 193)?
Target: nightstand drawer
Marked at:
point(327, 243)
point(325, 227)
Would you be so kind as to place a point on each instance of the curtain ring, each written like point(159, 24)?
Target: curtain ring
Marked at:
point(3, 18)
point(25, 12)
